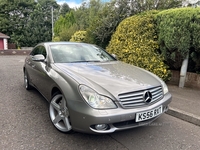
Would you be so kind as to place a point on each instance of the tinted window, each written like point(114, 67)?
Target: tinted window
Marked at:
point(39, 50)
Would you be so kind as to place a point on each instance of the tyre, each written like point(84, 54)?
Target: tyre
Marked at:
point(26, 81)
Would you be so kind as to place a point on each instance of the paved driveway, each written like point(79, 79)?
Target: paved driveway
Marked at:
point(25, 124)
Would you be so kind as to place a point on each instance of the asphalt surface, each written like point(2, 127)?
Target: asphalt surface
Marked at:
point(25, 124)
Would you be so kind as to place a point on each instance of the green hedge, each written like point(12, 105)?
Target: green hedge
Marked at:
point(135, 42)
point(179, 33)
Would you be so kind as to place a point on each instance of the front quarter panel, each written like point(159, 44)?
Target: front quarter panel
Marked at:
point(67, 85)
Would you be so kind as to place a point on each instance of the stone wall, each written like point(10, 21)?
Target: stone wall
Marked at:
point(14, 52)
point(192, 79)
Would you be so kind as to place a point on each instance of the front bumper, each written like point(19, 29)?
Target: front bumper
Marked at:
point(84, 119)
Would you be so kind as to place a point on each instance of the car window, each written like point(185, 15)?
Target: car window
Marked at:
point(70, 53)
point(39, 50)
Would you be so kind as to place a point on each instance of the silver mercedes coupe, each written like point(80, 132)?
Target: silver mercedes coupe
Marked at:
point(90, 91)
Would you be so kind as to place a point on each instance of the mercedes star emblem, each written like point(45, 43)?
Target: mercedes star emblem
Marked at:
point(147, 96)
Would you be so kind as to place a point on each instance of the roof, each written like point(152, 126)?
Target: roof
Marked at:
point(62, 42)
point(3, 36)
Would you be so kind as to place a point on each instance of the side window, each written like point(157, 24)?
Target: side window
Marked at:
point(43, 51)
point(39, 50)
point(34, 51)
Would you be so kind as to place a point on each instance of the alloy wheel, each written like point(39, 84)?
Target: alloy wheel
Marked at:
point(26, 81)
point(59, 113)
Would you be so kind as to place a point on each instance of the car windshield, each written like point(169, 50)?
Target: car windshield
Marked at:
point(74, 53)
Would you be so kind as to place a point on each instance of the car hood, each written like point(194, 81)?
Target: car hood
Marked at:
point(114, 77)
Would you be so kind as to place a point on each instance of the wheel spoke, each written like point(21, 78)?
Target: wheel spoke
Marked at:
point(55, 105)
point(63, 104)
point(57, 119)
point(67, 124)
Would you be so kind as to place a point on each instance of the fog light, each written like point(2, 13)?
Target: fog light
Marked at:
point(101, 126)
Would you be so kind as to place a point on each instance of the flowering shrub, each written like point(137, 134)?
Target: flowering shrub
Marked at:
point(135, 42)
point(79, 36)
point(56, 39)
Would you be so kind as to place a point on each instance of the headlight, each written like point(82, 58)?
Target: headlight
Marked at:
point(95, 100)
point(165, 88)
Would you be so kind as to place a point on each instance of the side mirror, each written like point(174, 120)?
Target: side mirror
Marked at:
point(115, 56)
point(38, 57)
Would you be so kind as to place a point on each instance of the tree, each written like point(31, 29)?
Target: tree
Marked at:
point(27, 22)
point(64, 9)
point(108, 18)
point(146, 5)
point(14, 15)
point(38, 29)
point(81, 16)
point(179, 34)
point(44, 20)
point(100, 19)
point(64, 28)
point(94, 7)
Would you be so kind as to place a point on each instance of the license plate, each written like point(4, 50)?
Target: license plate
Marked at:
point(148, 114)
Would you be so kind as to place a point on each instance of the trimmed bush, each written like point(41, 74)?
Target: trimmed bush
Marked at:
point(79, 36)
point(135, 42)
point(179, 34)
point(56, 39)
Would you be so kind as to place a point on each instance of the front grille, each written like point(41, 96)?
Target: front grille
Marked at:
point(135, 99)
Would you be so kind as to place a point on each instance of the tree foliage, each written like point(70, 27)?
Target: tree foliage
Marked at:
point(64, 23)
point(79, 36)
point(108, 18)
point(14, 15)
point(64, 26)
point(146, 5)
point(179, 34)
point(64, 9)
point(27, 22)
point(81, 16)
point(135, 42)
